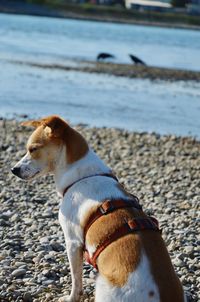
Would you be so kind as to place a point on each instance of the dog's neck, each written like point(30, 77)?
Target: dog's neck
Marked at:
point(66, 174)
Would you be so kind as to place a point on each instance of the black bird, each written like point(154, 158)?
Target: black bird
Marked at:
point(104, 55)
point(136, 60)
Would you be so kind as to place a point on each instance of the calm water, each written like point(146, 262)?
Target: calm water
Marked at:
point(99, 100)
point(41, 38)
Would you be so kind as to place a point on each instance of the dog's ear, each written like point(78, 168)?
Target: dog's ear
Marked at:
point(53, 125)
point(33, 123)
point(56, 126)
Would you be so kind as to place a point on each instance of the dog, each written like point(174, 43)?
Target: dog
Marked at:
point(100, 220)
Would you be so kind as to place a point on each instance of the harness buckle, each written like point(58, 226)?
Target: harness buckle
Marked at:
point(106, 207)
point(131, 223)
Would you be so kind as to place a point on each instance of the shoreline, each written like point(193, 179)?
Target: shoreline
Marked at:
point(90, 14)
point(163, 171)
point(120, 70)
point(19, 118)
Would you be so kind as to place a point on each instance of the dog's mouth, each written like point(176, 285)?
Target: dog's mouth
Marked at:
point(17, 172)
point(32, 176)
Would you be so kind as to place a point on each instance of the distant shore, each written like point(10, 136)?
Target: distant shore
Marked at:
point(103, 14)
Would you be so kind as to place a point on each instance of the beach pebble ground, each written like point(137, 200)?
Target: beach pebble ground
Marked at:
point(163, 171)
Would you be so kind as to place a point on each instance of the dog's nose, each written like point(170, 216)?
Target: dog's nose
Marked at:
point(16, 171)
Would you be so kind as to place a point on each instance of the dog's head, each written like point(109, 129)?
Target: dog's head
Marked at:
point(52, 139)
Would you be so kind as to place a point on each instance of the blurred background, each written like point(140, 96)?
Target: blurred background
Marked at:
point(132, 64)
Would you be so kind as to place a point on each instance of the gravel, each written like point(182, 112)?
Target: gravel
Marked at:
point(163, 171)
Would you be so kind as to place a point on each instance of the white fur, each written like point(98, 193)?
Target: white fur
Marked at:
point(137, 289)
point(66, 174)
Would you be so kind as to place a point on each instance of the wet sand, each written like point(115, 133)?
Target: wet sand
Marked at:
point(122, 70)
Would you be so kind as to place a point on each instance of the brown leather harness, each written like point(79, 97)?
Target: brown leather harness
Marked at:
point(130, 226)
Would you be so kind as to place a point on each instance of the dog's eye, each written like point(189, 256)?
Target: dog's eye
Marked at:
point(32, 149)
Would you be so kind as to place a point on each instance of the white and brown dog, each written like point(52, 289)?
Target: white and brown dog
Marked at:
point(98, 216)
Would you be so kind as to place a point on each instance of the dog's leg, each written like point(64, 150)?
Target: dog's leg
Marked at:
point(75, 256)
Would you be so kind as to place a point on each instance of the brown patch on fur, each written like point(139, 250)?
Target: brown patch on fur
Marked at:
point(54, 130)
point(122, 256)
point(169, 286)
point(113, 263)
point(77, 147)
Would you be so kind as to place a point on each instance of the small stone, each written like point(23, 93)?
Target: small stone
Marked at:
point(20, 263)
point(15, 218)
point(18, 273)
point(44, 240)
point(11, 288)
point(89, 281)
point(56, 246)
point(49, 257)
point(189, 249)
point(27, 297)
point(1, 282)
point(36, 259)
point(48, 282)
point(92, 275)
point(178, 262)
point(48, 295)
point(46, 272)
point(28, 221)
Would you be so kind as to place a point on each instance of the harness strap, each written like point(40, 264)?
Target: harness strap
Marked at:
point(133, 225)
point(110, 205)
point(102, 174)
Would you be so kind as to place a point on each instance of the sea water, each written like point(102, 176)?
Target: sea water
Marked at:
point(97, 99)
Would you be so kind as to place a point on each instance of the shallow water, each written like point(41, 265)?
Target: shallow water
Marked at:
point(101, 100)
point(56, 40)
point(97, 99)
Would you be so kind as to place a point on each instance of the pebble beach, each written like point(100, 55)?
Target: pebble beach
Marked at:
point(163, 171)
